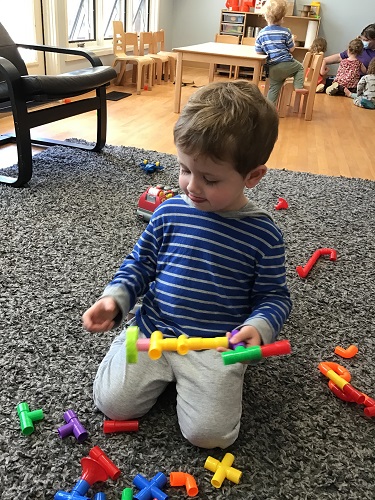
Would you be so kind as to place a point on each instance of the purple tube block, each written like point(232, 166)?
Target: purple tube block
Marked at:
point(233, 346)
point(72, 426)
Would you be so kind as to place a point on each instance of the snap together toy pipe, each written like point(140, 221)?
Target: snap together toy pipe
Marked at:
point(304, 271)
point(156, 344)
point(339, 378)
point(255, 353)
point(97, 467)
point(184, 479)
point(223, 470)
point(72, 426)
point(27, 418)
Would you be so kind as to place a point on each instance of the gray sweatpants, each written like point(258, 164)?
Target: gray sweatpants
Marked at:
point(278, 73)
point(209, 394)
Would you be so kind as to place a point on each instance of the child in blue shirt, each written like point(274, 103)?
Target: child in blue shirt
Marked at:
point(208, 262)
point(278, 43)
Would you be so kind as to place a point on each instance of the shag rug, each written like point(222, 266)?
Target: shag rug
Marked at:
point(62, 239)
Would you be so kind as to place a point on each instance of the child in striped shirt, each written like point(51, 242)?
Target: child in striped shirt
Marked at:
point(278, 43)
point(208, 262)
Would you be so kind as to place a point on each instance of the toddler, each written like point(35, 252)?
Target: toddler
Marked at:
point(349, 70)
point(278, 43)
point(208, 262)
point(318, 46)
point(365, 95)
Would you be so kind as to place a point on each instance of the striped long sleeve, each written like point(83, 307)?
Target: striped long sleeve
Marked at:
point(203, 273)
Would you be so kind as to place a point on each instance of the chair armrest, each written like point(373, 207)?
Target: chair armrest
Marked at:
point(93, 58)
point(8, 71)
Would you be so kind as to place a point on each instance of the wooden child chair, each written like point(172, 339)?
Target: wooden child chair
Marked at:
point(234, 40)
point(123, 42)
point(159, 48)
point(161, 68)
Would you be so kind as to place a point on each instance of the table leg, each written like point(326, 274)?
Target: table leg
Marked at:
point(178, 84)
point(211, 72)
point(256, 74)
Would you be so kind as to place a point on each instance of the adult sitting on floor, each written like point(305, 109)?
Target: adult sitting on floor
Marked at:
point(368, 38)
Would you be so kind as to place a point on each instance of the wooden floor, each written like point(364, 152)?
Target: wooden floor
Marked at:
point(336, 142)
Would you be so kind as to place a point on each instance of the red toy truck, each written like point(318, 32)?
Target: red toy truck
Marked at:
point(152, 198)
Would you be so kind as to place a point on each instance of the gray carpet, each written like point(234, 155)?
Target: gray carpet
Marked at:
point(63, 237)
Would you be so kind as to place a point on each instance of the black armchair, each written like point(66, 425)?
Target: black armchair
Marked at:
point(20, 89)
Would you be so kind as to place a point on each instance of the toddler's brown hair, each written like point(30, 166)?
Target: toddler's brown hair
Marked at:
point(318, 45)
point(355, 47)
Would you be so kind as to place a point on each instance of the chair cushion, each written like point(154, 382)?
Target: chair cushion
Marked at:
point(63, 85)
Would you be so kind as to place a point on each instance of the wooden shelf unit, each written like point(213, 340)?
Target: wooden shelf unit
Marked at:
point(242, 24)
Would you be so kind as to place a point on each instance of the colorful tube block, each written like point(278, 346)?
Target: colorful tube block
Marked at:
point(255, 353)
point(112, 426)
point(72, 426)
point(223, 470)
point(184, 479)
point(351, 392)
point(27, 418)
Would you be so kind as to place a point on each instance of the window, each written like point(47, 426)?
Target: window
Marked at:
point(90, 20)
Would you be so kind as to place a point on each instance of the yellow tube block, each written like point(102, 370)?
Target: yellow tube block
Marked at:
point(223, 470)
point(182, 344)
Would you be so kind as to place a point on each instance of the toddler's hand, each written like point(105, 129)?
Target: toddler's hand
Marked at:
point(248, 334)
point(100, 316)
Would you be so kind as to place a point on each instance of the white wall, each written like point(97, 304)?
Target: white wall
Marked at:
point(197, 21)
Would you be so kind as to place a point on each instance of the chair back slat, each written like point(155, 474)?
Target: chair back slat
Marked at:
point(9, 50)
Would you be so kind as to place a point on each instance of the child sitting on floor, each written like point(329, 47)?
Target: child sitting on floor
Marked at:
point(318, 46)
point(349, 71)
point(365, 95)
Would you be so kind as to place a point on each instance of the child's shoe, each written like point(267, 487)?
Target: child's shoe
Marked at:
point(319, 88)
point(332, 89)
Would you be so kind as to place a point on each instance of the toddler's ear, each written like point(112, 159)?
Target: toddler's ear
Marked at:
point(253, 177)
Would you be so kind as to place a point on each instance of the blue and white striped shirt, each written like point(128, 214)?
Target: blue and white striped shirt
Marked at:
point(275, 41)
point(204, 273)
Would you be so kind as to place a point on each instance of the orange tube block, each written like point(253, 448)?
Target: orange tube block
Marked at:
point(349, 391)
point(184, 479)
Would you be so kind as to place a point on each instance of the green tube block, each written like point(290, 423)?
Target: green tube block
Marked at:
point(27, 418)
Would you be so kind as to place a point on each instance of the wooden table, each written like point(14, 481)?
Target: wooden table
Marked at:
point(216, 53)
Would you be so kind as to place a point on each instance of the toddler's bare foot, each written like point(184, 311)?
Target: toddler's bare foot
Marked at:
point(347, 92)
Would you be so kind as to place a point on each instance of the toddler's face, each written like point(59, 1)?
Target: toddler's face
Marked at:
point(212, 186)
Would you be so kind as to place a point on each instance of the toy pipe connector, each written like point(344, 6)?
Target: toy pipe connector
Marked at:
point(184, 479)
point(223, 470)
point(369, 401)
point(350, 391)
point(231, 345)
point(78, 492)
point(127, 494)
point(72, 426)
point(27, 418)
point(369, 411)
point(182, 345)
point(98, 454)
point(350, 352)
point(111, 426)
point(281, 204)
point(75, 494)
point(304, 271)
point(92, 471)
point(130, 344)
point(255, 353)
point(150, 489)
